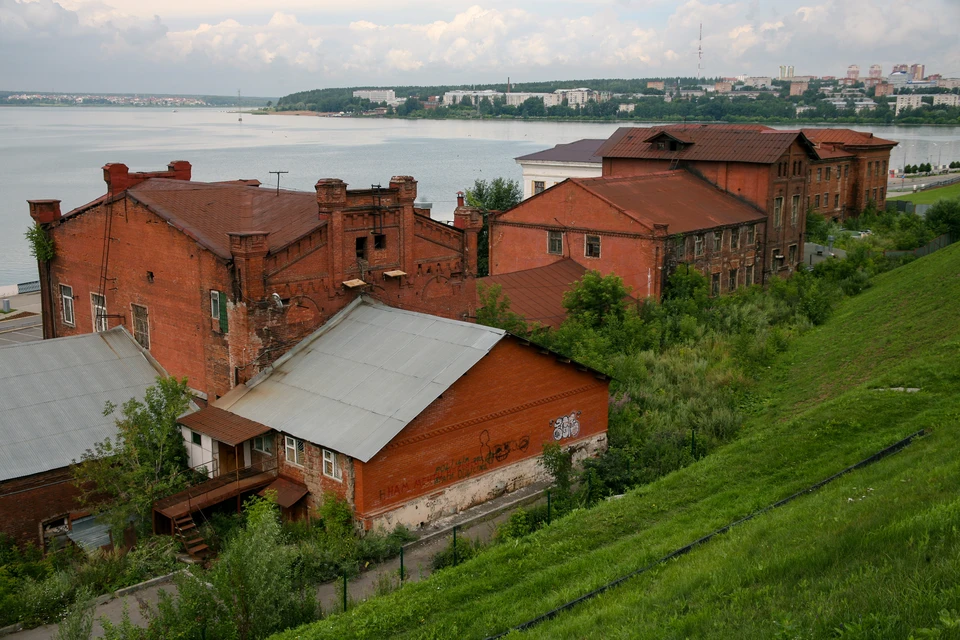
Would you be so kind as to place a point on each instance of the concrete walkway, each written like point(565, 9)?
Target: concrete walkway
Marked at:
point(22, 325)
point(479, 523)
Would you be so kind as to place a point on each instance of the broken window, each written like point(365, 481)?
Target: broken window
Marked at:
point(681, 248)
point(793, 254)
point(732, 281)
point(592, 247)
point(715, 285)
point(735, 238)
point(379, 241)
point(98, 304)
point(698, 245)
point(751, 235)
point(777, 210)
point(794, 209)
point(717, 240)
point(263, 444)
point(141, 325)
point(361, 247)
point(538, 186)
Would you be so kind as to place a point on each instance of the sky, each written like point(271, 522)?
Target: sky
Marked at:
point(272, 48)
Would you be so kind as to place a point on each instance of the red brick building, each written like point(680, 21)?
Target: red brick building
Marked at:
point(638, 227)
point(410, 417)
point(219, 279)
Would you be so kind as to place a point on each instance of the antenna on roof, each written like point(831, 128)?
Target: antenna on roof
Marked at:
point(700, 52)
point(278, 179)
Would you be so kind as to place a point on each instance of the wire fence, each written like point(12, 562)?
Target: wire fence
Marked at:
point(894, 448)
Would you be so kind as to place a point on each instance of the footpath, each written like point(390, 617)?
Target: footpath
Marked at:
point(22, 324)
point(479, 523)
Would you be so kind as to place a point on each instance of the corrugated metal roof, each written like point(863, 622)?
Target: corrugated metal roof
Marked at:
point(228, 428)
point(537, 294)
point(580, 151)
point(847, 137)
point(359, 380)
point(706, 142)
point(676, 198)
point(288, 491)
point(52, 394)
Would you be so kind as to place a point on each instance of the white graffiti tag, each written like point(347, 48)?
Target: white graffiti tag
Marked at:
point(566, 426)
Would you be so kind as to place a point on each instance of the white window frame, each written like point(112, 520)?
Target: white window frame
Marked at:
point(263, 444)
point(295, 450)
point(146, 323)
point(551, 236)
point(214, 304)
point(66, 305)
point(99, 318)
point(539, 186)
point(586, 244)
point(330, 461)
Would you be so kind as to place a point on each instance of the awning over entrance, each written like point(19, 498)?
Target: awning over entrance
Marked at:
point(288, 491)
point(228, 428)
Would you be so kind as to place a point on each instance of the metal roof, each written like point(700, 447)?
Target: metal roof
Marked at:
point(580, 151)
point(354, 384)
point(537, 294)
point(223, 426)
point(52, 394)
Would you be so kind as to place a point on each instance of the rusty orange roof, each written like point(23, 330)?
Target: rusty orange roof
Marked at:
point(288, 491)
point(678, 199)
point(537, 294)
point(755, 144)
point(224, 426)
point(847, 137)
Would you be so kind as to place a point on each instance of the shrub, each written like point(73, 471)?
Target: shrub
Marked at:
point(450, 556)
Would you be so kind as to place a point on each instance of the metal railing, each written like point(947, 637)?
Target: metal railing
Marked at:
point(193, 495)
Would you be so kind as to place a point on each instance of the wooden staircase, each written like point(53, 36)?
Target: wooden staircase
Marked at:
point(186, 529)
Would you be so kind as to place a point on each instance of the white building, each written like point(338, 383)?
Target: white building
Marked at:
point(949, 83)
point(376, 95)
point(912, 101)
point(518, 98)
point(457, 96)
point(546, 168)
point(758, 82)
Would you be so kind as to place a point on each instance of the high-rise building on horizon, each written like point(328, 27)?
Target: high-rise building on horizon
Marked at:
point(918, 71)
point(786, 71)
point(876, 71)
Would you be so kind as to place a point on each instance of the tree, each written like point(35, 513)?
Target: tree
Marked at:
point(494, 310)
point(497, 195)
point(944, 217)
point(596, 299)
point(121, 477)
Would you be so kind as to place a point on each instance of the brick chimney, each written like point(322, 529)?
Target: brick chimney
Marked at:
point(406, 187)
point(118, 177)
point(459, 198)
point(45, 211)
point(331, 195)
point(470, 221)
point(249, 250)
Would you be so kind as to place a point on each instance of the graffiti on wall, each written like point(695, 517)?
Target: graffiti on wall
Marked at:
point(567, 426)
point(501, 451)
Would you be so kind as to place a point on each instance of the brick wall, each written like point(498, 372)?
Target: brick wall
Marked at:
point(498, 414)
point(25, 503)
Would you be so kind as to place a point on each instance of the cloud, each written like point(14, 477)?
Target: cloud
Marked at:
point(122, 45)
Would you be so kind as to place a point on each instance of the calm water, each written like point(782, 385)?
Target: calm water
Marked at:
point(58, 153)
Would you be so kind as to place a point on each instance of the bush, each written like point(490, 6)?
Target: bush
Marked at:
point(450, 556)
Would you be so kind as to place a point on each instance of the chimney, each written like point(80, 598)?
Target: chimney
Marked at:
point(45, 211)
point(406, 187)
point(459, 198)
point(331, 195)
point(470, 221)
point(248, 251)
point(179, 170)
point(118, 177)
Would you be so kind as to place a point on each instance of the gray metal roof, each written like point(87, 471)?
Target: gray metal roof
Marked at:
point(356, 383)
point(52, 394)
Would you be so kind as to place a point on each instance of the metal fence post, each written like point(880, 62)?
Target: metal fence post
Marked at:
point(401, 564)
point(455, 546)
point(548, 506)
point(344, 591)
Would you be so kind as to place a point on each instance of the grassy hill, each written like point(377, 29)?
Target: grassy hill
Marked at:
point(930, 196)
point(874, 554)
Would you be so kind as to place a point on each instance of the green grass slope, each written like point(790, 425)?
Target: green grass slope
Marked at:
point(875, 554)
point(930, 196)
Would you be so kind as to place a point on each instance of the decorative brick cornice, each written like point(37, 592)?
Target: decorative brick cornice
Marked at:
point(601, 232)
point(490, 416)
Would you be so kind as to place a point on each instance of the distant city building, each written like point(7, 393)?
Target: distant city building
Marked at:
point(912, 101)
point(543, 169)
point(798, 88)
point(723, 87)
point(898, 79)
point(876, 71)
point(786, 71)
point(949, 83)
point(626, 108)
point(457, 96)
point(918, 71)
point(376, 95)
point(518, 98)
point(758, 82)
point(900, 68)
point(656, 84)
point(949, 99)
point(884, 89)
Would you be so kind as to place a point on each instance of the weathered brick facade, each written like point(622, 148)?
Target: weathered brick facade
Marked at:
point(28, 502)
point(280, 262)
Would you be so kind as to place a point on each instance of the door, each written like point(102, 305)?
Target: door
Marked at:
point(228, 458)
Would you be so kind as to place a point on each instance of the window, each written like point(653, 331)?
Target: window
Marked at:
point(836, 201)
point(66, 298)
point(751, 235)
point(717, 240)
point(794, 210)
point(846, 170)
point(776, 259)
point(869, 168)
point(732, 281)
point(681, 248)
point(698, 245)
point(715, 285)
point(882, 190)
point(866, 196)
point(816, 201)
point(794, 167)
point(735, 238)
point(538, 187)
point(294, 450)
point(748, 276)
point(827, 174)
point(379, 241)
point(554, 242)
point(361, 247)
point(591, 247)
point(218, 308)
point(98, 305)
point(793, 254)
point(874, 195)
point(195, 438)
point(215, 305)
point(826, 201)
point(141, 325)
point(263, 444)
point(838, 173)
point(330, 467)
point(777, 210)
point(661, 146)
point(819, 173)
point(779, 169)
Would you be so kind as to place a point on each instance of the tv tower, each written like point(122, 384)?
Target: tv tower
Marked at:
point(700, 53)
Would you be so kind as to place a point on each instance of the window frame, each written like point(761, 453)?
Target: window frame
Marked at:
point(748, 275)
point(299, 449)
point(265, 444)
point(826, 174)
point(732, 279)
point(99, 319)
point(718, 241)
point(539, 186)
point(680, 248)
point(555, 236)
point(214, 304)
point(379, 241)
point(360, 247)
point(715, 286)
point(587, 244)
point(330, 457)
point(794, 209)
point(67, 302)
point(792, 254)
point(819, 173)
point(698, 245)
point(777, 211)
point(751, 235)
point(196, 438)
point(146, 325)
point(816, 201)
point(735, 239)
